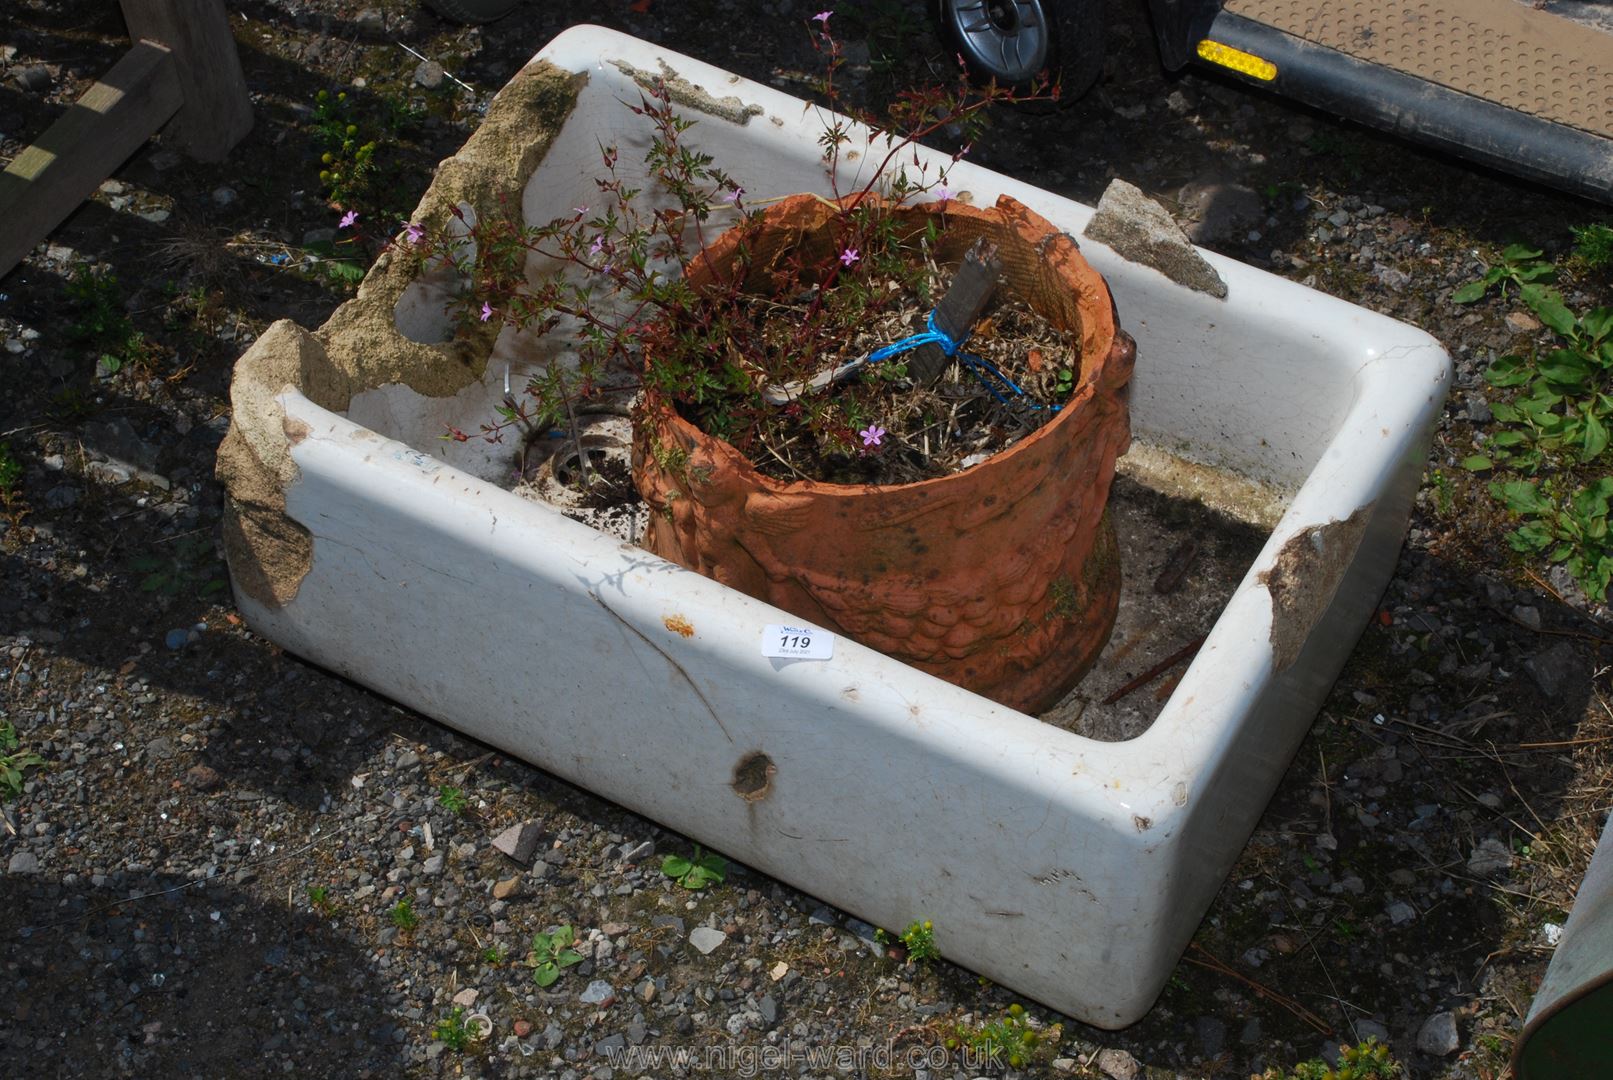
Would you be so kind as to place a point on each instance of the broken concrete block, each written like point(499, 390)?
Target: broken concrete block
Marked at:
point(1140, 229)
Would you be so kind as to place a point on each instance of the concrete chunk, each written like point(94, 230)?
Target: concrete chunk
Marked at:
point(1140, 229)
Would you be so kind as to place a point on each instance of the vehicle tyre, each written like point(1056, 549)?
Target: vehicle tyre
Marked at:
point(473, 11)
point(1013, 41)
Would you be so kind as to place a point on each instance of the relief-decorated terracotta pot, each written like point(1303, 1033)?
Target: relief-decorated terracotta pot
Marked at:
point(1003, 578)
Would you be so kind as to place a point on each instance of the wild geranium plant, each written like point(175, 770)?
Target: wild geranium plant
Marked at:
point(618, 283)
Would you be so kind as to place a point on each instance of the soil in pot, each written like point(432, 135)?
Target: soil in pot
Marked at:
point(1003, 577)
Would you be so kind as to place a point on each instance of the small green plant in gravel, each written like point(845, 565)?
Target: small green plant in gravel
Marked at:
point(919, 940)
point(319, 899)
point(404, 916)
point(13, 761)
point(493, 956)
point(10, 485)
point(100, 319)
point(1009, 1040)
point(1593, 246)
point(189, 567)
point(348, 162)
point(101, 324)
point(452, 799)
point(10, 471)
point(1518, 265)
point(697, 872)
point(1369, 1060)
point(1555, 426)
point(453, 1032)
point(552, 954)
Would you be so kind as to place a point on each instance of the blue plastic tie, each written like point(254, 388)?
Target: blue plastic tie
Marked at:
point(978, 367)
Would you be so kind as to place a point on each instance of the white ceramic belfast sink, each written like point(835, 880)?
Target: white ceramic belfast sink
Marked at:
point(1071, 870)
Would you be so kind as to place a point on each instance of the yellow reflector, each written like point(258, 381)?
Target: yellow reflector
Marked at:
point(1237, 60)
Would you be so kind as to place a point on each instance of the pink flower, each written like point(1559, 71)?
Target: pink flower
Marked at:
point(943, 193)
point(823, 17)
point(597, 245)
point(348, 219)
point(849, 256)
point(487, 311)
point(580, 210)
point(872, 434)
point(413, 232)
point(734, 195)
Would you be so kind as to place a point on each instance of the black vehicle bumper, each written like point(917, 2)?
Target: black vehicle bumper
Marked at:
point(1568, 158)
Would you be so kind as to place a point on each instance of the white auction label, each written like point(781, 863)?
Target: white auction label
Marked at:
point(797, 643)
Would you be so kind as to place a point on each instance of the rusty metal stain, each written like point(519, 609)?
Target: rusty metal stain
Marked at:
point(679, 625)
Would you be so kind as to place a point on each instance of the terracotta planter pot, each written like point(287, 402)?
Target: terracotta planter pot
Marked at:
point(1003, 578)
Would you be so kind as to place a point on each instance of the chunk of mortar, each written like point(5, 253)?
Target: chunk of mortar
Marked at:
point(1140, 229)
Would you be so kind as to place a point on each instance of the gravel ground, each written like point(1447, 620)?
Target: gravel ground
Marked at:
point(204, 877)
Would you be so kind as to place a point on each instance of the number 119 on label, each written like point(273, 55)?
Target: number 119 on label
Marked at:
point(797, 643)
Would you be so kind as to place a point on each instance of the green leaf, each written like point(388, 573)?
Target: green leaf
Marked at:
point(1504, 413)
point(546, 974)
point(1515, 253)
point(1598, 323)
point(1548, 304)
point(1467, 294)
point(1592, 502)
point(1538, 273)
point(675, 866)
point(1477, 463)
point(542, 944)
point(1522, 497)
point(564, 936)
point(1530, 538)
point(1567, 367)
point(697, 878)
point(1509, 370)
point(1594, 441)
point(567, 957)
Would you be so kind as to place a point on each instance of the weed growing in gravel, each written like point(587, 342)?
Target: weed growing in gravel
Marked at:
point(1444, 499)
point(102, 325)
point(1593, 246)
point(918, 939)
point(349, 161)
point(1369, 1060)
point(452, 799)
point(552, 954)
point(493, 956)
point(1518, 266)
point(696, 872)
point(10, 471)
point(403, 915)
point(190, 567)
point(101, 320)
point(10, 485)
point(453, 1032)
point(319, 899)
point(13, 761)
point(1009, 1040)
point(1555, 426)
